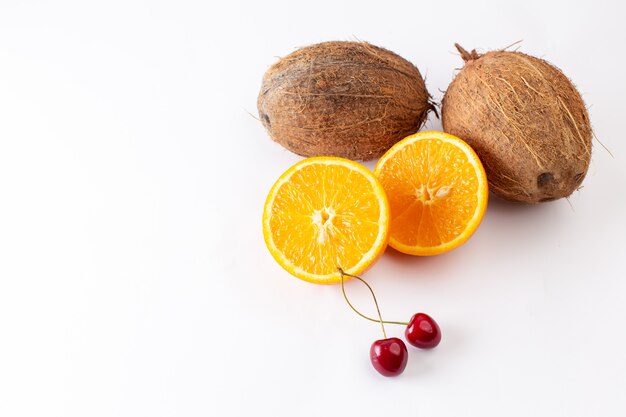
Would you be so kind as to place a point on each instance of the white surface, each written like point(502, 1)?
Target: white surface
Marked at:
point(134, 280)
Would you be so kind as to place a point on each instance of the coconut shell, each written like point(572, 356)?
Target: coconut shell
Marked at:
point(348, 99)
point(525, 120)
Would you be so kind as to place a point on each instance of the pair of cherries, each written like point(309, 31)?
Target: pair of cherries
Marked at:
point(389, 356)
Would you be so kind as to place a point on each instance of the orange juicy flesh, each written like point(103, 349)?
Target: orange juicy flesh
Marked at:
point(325, 218)
point(432, 189)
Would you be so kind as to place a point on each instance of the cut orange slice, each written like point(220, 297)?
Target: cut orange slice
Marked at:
point(326, 213)
point(437, 192)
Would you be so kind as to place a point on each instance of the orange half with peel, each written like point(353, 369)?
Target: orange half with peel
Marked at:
point(437, 190)
point(326, 213)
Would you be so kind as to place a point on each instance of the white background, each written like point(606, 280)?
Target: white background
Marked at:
point(134, 280)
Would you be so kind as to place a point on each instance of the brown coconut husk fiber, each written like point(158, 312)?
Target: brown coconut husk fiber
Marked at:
point(525, 120)
point(348, 99)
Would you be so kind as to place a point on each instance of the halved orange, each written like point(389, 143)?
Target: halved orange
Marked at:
point(326, 213)
point(437, 192)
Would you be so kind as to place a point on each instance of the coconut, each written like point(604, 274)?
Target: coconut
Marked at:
point(525, 120)
point(348, 99)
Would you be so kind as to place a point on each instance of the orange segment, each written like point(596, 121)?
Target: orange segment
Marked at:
point(325, 213)
point(437, 192)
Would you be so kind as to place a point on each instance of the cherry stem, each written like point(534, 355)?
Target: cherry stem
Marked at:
point(380, 319)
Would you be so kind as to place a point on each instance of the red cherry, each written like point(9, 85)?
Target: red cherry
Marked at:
point(423, 332)
point(389, 356)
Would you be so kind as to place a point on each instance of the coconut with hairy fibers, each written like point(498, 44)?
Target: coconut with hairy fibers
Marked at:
point(348, 99)
point(525, 120)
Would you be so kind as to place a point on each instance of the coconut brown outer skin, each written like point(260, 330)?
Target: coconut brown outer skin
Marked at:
point(525, 120)
point(347, 99)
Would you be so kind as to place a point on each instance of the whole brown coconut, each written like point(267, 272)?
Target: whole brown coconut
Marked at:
point(348, 99)
point(525, 120)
